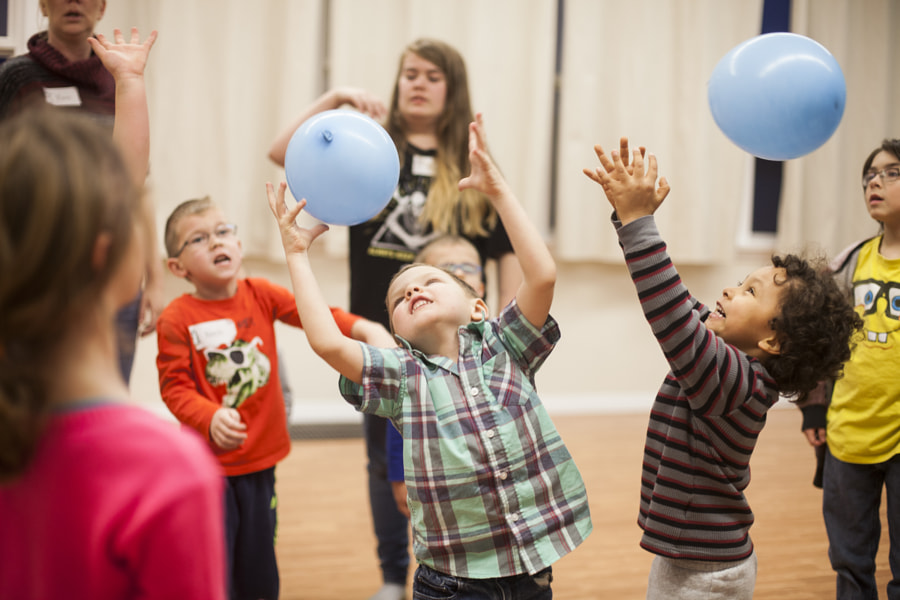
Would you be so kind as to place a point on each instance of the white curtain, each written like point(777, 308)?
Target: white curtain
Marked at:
point(227, 75)
point(640, 69)
point(822, 198)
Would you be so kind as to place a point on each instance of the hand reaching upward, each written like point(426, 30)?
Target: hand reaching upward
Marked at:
point(632, 190)
point(123, 59)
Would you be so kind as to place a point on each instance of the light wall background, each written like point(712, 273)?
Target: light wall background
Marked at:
point(226, 75)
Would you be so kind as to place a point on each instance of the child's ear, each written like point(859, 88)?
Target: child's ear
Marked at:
point(479, 310)
point(176, 268)
point(770, 345)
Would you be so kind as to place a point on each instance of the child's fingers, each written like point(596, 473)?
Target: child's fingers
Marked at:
point(482, 137)
point(652, 165)
point(591, 173)
point(637, 163)
point(135, 36)
point(605, 161)
point(117, 35)
point(598, 175)
point(480, 163)
point(474, 137)
point(663, 190)
point(274, 205)
point(618, 165)
point(623, 150)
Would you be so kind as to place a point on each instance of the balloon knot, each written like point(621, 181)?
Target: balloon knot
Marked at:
point(327, 135)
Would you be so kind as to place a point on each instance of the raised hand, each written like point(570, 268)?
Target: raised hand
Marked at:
point(123, 59)
point(631, 189)
point(296, 239)
point(485, 176)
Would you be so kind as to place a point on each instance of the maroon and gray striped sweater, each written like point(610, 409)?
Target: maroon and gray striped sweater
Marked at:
point(704, 422)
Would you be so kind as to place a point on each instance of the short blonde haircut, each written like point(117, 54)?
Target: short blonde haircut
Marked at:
point(195, 206)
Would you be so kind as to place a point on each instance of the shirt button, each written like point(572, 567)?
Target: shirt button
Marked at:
point(474, 391)
point(490, 433)
point(514, 517)
point(503, 475)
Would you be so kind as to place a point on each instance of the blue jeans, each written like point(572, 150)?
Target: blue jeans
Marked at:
point(391, 527)
point(850, 503)
point(433, 585)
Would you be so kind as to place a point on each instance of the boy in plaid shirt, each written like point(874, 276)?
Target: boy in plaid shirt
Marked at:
point(494, 496)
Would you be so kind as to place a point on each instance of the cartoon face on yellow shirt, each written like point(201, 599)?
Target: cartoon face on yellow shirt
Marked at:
point(878, 302)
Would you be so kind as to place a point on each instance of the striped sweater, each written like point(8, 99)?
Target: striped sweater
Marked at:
point(704, 422)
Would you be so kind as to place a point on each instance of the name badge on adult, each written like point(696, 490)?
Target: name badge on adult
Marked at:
point(422, 166)
point(63, 96)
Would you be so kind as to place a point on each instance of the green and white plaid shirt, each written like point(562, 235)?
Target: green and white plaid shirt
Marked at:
point(493, 491)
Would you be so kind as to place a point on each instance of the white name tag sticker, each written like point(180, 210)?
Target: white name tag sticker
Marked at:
point(423, 166)
point(63, 96)
point(213, 334)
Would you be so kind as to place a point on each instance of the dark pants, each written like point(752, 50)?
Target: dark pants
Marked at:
point(250, 527)
point(851, 501)
point(432, 585)
point(391, 527)
point(128, 319)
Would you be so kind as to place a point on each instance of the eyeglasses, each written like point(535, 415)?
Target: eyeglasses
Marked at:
point(224, 231)
point(887, 174)
point(467, 268)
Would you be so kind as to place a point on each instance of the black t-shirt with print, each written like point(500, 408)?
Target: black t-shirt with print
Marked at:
point(381, 246)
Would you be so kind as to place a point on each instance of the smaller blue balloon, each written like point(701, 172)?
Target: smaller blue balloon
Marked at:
point(344, 164)
point(778, 95)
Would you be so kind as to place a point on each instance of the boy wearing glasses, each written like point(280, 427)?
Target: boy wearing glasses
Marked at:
point(459, 256)
point(218, 374)
point(852, 421)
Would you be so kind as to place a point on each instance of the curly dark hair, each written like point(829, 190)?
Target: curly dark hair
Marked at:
point(816, 327)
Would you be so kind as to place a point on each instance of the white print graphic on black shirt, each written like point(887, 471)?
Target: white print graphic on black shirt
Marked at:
point(401, 230)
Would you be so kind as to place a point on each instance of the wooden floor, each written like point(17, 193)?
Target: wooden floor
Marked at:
point(326, 547)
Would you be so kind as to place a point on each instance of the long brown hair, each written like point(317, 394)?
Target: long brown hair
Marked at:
point(447, 209)
point(62, 184)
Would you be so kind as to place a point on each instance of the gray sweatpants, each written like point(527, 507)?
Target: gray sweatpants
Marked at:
point(678, 579)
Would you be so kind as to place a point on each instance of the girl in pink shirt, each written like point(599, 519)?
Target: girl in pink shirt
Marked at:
point(99, 499)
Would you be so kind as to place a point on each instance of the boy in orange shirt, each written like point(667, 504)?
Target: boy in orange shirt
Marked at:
point(218, 374)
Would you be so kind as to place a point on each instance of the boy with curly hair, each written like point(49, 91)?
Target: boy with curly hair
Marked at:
point(780, 331)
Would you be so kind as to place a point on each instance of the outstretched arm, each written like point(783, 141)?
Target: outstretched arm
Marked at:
point(131, 131)
point(359, 99)
point(535, 293)
point(126, 62)
point(342, 353)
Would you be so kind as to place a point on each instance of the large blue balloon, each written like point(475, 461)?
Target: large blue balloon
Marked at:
point(344, 164)
point(778, 95)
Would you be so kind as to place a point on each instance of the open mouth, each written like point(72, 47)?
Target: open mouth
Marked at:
point(222, 258)
point(419, 304)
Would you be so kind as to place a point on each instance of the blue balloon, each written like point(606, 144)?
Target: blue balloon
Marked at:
point(344, 164)
point(778, 95)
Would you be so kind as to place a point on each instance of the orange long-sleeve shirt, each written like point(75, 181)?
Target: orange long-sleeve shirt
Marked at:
point(215, 353)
